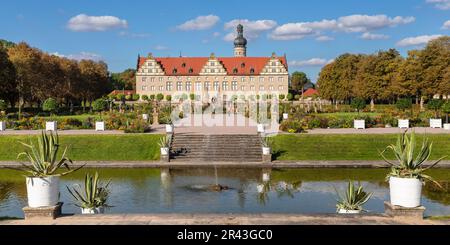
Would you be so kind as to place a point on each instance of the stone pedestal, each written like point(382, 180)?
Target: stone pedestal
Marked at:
point(398, 211)
point(267, 158)
point(50, 212)
point(165, 158)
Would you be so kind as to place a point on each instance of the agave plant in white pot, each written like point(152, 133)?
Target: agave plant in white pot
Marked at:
point(164, 144)
point(42, 175)
point(352, 201)
point(93, 198)
point(406, 177)
point(266, 143)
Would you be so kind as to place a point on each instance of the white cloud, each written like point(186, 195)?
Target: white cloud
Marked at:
point(440, 4)
point(310, 62)
point(365, 23)
point(324, 38)
point(83, 22)
point(160, 47)
point(417, 41)
point(252, 29)
point(199, 23)
point(446, 25)
point(373, 36)
point(80, 56)
point(216, 34)
point(350, 23)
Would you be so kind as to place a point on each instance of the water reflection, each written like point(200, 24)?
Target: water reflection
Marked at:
point(249, 190)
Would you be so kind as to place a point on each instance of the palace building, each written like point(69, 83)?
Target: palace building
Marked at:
point(213, 77)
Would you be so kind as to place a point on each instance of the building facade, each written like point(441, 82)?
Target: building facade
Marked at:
point(213, 77)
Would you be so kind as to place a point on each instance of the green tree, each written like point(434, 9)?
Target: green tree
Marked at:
point(169, 97)
point(290, 97)
point(298, 81)
point(50, 105)
point(281, 96)
point(435, 105)
point(403, 104)
point(446, 109)
point(159, 97)
point(144, 97)
point(124, 80)
point(358, 104)
point(8, 82)
point(3, 105)
point(99, 105)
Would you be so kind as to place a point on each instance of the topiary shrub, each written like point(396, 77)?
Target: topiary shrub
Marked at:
point(169, 97)
point(120, 97)
point(50, 105)
point(128, 97)
point(290, 97)
point(281, 96)
point(135, 97)
point(144, 97)
point(297, 97)
point(159, 97)
point(152, 97)
point(99, 105)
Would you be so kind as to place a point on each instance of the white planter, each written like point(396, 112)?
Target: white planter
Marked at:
point(2, 126)
point(285, 116)
point(260, 188)
point(169, 128)
point(165, 151)
point(260, 128)
point(266, 177)
point(145, 117)
point(359, 124)
point(346, 211)
point(266, 150)
point(99, 210)
point(405, 192)
point(447, 126)
point(42, 192)
point(51, 126)
point(99, 126)
point(435, 123)
point(403, 123)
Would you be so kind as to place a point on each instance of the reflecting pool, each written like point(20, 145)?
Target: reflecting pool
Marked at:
point(246, 190)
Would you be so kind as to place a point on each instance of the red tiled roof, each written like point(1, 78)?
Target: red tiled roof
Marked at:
point(197, 63)
point(310, 92)
point(126, 92)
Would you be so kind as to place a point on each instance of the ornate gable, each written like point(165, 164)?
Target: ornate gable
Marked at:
point(213, 67)
point(274, 67)
point(150, 67)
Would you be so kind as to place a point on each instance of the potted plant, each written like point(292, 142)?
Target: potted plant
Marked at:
point(99, 105)
point(42, 178)
point(50, 105)
point(353, 199)
point(406, 176)
point(164, 144)
point(358, 104)
point(3, 107)
point(266, 143)
point(93, 198)
point(169, 125)
point(435, 105)
point(403, 104)
point(261, 120)
point(446, 110)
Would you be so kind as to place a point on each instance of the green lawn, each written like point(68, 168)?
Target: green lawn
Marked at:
point(349, 114)
point(130, 147)
point(346, 147)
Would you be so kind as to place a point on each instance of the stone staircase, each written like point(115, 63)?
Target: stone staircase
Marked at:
point(218, 148)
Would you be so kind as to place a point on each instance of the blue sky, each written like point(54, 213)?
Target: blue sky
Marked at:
point(310, 33)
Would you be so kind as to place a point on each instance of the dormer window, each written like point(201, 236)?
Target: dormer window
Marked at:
point(235, 70)
point(183, 65)
point(174, 71)
point(191, 70)
point(242, 65)
point(252, 71)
